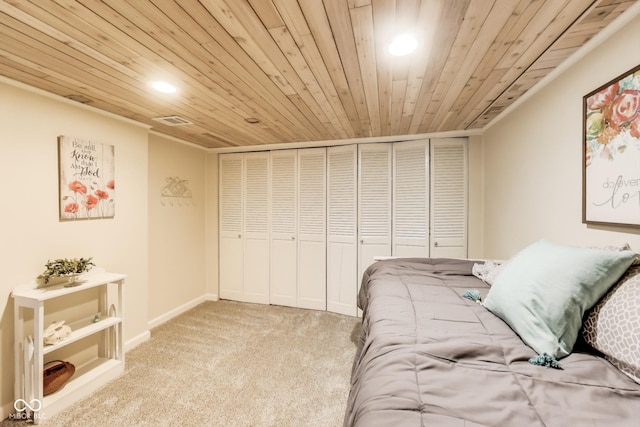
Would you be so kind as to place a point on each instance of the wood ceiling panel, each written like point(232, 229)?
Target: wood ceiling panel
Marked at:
point(461, 53)
point(390, 93)
point(429, 18)
point(362, 21)
point(320, 28)
point(340, 20)
point(305, 70)
point(224, 53)
point(450, 23)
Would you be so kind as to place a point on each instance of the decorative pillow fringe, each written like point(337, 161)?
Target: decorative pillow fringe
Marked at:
point(545, 360)
point(472, 294)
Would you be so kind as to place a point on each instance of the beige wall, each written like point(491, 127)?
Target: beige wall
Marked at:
point(475, 219)
point(212, 226)
point(31, 233)
point(533, 168)
point(176, 228)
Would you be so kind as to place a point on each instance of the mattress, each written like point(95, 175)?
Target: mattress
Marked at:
point(428, 357)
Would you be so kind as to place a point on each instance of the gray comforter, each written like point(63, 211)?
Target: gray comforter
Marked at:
point(428, 357)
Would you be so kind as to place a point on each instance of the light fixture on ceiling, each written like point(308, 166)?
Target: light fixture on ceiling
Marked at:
point(403, 45)
point(164, 87)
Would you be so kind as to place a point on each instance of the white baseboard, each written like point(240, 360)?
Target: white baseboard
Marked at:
point(144, 336)
point(179, 310)
point(137, 340)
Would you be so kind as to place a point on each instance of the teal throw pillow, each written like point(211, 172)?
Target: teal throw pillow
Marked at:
point(544, 291)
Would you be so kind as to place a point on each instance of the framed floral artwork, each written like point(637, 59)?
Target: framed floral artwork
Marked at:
point(86, 177)
point(611, 152)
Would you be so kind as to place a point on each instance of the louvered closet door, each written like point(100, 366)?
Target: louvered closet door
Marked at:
point(374, 202)
point(231, 221)
point(342, 238)
point(449, 175)
point(312, 270)
point(411, 199)
point(256, 228)
point(284, 245)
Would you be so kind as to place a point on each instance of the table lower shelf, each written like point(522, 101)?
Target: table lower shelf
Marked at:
point(87, 378)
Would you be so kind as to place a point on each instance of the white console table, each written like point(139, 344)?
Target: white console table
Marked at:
point(88, 377)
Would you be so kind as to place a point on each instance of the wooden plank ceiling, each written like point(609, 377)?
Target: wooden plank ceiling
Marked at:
point(305, 70)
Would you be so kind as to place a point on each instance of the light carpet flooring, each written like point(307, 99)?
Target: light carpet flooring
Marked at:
point(229, 364)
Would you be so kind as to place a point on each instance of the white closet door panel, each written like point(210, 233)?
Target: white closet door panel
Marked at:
point(284, 189)
point(312, 194)
point(256, 195)
point(375, 192)
point(367, 255)
point(342, 238)
point(342, 200)
point(256, 227)
point(312, 285)
point(449, 197)
point(231, 247)
point(284, 247)
point(342, 282)
point(256, 271)
point(283, 283)
point(374, 203)
point(410, 199)
point(410, 251)
point(231, 195)
point(231, 268)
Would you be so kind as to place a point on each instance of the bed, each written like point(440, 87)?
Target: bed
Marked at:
point(429, 357)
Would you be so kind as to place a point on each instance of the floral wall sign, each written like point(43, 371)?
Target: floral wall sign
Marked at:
point(87, 185)
point(611, 152)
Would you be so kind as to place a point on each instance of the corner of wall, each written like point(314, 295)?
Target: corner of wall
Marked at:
point(476, 197)
point(137, 340)
point(212, 258)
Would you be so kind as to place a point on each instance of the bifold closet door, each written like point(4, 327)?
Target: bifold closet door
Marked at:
point(342, 237)
point(411, 199)
point(374, 202)
point(284, 225)
point(231, 247)
point(244, 227)
point(449, 198)
point(256, 228)
point(312, 240)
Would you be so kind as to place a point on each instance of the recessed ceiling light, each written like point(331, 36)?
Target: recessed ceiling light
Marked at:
point(402, 45)
point(164, 87)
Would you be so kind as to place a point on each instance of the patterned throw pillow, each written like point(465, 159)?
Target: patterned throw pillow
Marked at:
point(613, 324)
point(488, 272)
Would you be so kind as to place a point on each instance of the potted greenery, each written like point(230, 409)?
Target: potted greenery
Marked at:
point(65, 268)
